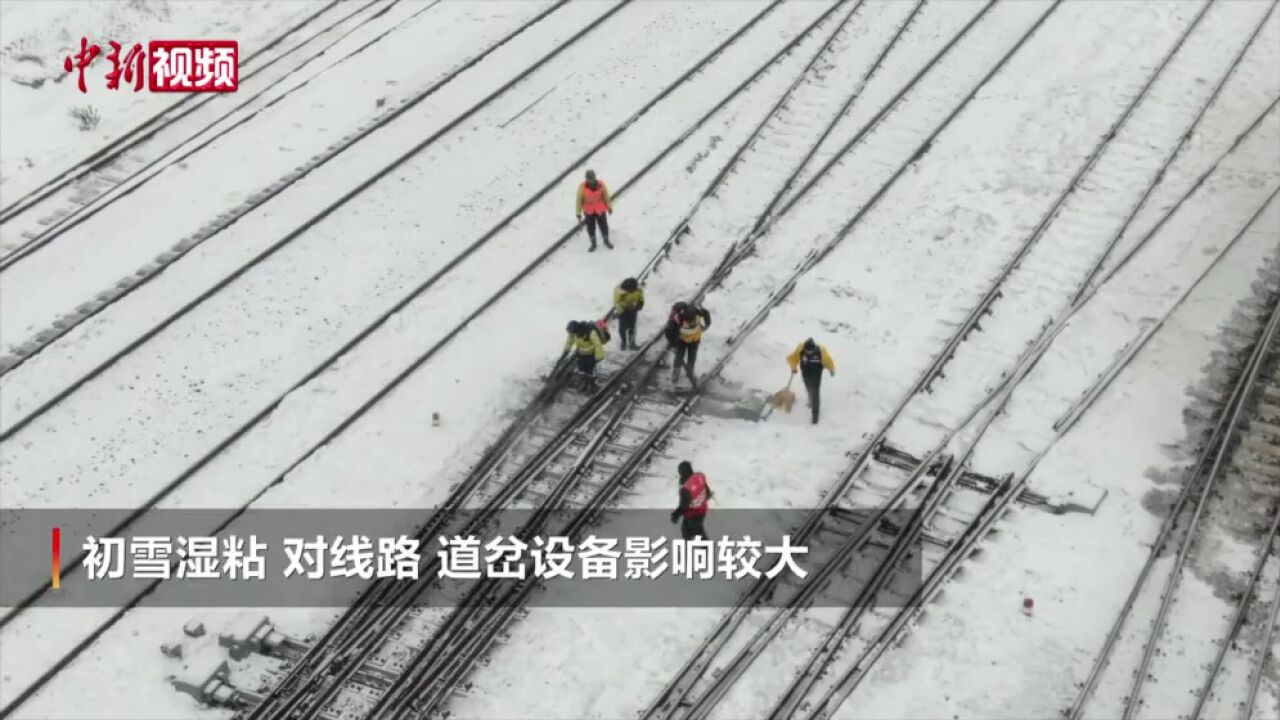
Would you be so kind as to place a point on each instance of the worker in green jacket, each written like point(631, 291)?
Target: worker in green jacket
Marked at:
point(584, 340)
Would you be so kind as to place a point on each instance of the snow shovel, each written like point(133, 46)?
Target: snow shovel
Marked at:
point(784, 398)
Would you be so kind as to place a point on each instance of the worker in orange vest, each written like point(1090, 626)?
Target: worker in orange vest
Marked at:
point(694, 494)
point(594, 200)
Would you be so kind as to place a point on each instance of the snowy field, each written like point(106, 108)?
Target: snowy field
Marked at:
point(384, 234)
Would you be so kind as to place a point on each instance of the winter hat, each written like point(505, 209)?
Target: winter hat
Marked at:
point(591, 175)
point(629, 284)
point(685, 469)
point(572, 327)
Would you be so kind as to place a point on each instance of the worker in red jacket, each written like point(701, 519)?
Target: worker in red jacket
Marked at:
point(694, 494)
point(594, 200)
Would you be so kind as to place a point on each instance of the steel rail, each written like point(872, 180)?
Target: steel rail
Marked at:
point(145, 130)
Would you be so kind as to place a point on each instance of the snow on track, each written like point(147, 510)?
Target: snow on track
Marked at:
point(747, 476)
point(1032, 666)
point(231, 172)
point(385, 459)
point(937, 22)
point(775, 472)
point(41, 219)
point(95, 343)
point(152, 408)
point(38, 34)
point(336, 99)
point(1045, 280)
point(1077, 593)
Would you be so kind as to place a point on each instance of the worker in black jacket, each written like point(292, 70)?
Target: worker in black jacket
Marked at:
point(684, 332)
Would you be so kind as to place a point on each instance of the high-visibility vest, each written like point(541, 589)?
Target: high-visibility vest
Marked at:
point(697, 487)
point(593, 200)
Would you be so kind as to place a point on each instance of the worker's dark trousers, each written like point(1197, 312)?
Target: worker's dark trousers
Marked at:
point(627, 329)
point(693, 527)
point(687, 355)
point(586, 371)
point(592, 221)
point(812, 383)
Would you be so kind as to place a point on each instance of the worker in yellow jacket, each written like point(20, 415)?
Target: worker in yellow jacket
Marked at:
point(588, 348)
point(628, 301)
point(686, 328)
point(594, 200)
point(810, 359)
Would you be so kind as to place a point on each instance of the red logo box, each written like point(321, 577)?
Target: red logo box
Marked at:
point(193, 65)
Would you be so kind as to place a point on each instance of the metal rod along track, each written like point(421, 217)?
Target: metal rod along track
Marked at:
point(147, 128)
point(823, 656)
point(681, 226)
point(452, 652)
point(673, 696)
point(86, 211)
point(488, 461)
point(999, 504)
point(1167, 527)
point(534, 409)
point(491, 457)
point(461, 645)
point(125, 287)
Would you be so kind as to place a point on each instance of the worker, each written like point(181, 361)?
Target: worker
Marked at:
point(694, 494)
point(585, 342)
point(594, 200)
point(628, 301)
point(693, 321)
point(811, 358)
point(672, 329)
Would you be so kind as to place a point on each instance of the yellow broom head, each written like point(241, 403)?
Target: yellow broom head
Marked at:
point(783, 399)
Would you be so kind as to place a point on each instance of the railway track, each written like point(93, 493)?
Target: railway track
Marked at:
point(576, 445)
point(74, 563)
point(102, 160)
point(891, 629)
point(138, 279)
point(1250, 447)
point(601, 418)
point(674, 701)
point(1256, 459)
point(45, 220)
point(458, 643)
point(500, 448)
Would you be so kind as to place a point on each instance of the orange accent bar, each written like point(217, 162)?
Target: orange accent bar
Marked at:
point(57, 558)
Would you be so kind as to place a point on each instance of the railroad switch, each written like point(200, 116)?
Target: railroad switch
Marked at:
point(204, 673)
point(249, 635)
point(1082, 498)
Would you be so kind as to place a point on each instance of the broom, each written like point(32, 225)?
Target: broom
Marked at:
point(784, 398)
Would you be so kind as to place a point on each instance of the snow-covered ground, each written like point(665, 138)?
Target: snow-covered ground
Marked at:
point(37, 96)
point(884, 301)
